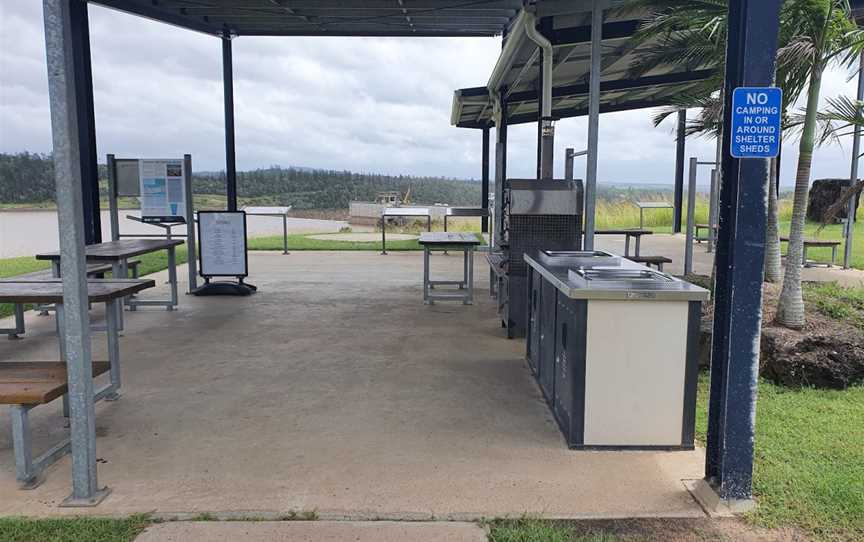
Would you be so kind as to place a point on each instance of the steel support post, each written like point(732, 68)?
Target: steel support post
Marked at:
point(750, 53)
point(500, 174)
point(228, 89)
point(853, 177)
point(679, 171)
point(593, 122)
point(691, 219)
point(83, 79)
point(712, 211)
point(191, 239)
point(74, 309)
point(484, 181)
point(569, 154)
point(113, 209)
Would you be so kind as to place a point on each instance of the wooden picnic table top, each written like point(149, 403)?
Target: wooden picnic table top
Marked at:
point(439, 238)
point(119, 250)
point(51, 290)
point(627, 231)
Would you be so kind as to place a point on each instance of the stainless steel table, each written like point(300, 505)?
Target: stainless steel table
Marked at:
point(444, 241)
point(393, 212)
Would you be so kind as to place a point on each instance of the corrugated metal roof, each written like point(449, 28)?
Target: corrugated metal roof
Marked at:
point(571, 36)
point(329, 17)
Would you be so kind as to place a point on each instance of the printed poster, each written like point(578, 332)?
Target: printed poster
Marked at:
point(163, 194)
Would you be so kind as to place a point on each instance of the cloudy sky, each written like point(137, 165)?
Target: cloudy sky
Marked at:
point(363, 104)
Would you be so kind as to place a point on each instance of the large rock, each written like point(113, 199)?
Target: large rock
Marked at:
point(823, 194)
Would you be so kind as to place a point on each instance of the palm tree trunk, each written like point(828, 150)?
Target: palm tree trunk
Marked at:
point(773, 269)
point(790, 307)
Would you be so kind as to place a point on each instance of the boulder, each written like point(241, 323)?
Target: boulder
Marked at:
point(823, 194)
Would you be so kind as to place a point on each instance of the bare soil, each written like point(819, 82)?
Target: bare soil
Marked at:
point(825, 353)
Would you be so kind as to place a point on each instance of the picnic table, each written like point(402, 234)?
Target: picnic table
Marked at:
point(401, 212)
point(26, 385)
point(445, 241)
point(118, 254)
point(635, 233)
point(816, 243)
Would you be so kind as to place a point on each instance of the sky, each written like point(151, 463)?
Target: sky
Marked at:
point(361, 104)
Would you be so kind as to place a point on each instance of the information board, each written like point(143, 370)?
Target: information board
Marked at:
point(163, 194)
point(222, 243)
point(756, 122)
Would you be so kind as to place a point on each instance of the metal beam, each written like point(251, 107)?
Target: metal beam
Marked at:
point(228, 89)
point(593, 122)
point(750, 53)
point(73, 314)
point(484, 181)
point(83, 76)
point(679, 171)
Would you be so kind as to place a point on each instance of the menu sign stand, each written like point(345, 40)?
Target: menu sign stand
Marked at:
point(223, 253)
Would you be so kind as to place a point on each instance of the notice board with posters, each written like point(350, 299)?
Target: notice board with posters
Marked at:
point(163, 190)
point(222, 243)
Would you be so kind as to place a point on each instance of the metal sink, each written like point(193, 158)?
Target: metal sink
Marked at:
point(618, 274)
point(579, 258)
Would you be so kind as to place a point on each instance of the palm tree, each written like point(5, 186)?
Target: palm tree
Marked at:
point(824, 34)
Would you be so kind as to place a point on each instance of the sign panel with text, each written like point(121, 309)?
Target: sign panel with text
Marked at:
point(756, 113)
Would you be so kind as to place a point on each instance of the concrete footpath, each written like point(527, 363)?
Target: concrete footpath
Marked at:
point(314, 531)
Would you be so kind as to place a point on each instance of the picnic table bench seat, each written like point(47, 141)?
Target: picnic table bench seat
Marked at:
point(23, 386)
point(656, 261)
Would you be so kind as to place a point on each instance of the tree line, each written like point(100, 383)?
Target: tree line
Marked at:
point(29, 178)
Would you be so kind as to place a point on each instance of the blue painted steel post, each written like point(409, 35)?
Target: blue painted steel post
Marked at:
point(750, 54)
point(679, 171)
point(484, 181)
point(228, 89)
point(83, 78)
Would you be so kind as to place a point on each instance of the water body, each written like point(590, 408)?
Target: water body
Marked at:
point(25, 233)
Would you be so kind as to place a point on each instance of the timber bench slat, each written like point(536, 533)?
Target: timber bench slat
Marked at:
point(815, 242)
point(92, 269)
point(37, 383)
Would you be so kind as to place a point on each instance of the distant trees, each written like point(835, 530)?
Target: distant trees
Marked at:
point(29, 178)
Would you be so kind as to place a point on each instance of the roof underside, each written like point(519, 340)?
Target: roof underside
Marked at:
point(329, 17)
point(571, 38)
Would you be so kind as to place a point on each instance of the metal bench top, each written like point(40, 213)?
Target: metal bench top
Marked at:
point(119, 250)
point(36, 382)
point(406, 211)
point(51, 291)
point(448, 239)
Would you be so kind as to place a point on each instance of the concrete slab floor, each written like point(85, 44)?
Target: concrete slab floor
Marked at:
point(335, 389)
point(314, 531)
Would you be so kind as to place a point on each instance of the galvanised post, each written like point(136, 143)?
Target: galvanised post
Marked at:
point(593, 122)
point(853, 177)
point(63, 99)
point(691, 221)
point(191, 240)
point(113, 210)
point(750, 53)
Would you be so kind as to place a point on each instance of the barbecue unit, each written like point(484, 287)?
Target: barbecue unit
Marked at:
point(536, 214)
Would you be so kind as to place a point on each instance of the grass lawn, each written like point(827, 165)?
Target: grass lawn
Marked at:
point(71, 530)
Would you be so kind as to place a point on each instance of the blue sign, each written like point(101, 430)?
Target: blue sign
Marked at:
point(756, 122)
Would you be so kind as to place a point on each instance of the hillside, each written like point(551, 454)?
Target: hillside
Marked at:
point(27, 179)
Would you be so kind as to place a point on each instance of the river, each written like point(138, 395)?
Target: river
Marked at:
point(25, 233)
